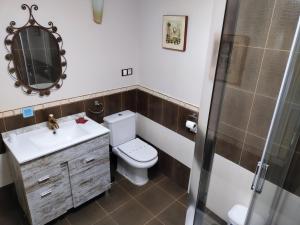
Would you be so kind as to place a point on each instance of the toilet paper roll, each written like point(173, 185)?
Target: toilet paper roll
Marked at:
point(192, 126)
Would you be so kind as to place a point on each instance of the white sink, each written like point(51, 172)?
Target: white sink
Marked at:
point(67, 133)
point(36, 141)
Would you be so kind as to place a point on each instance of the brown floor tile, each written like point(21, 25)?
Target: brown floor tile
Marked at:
point(132, 213)
point(86, 215)
point(132, 189)
point(184, 199)
point(11, 217)
point(172, 188)
point(61, 221)
point(154, 222)
point(174, 215)
point(106, 221)
point(155, 199)
point(113, 198)
point(157, 177)
point(118, 177)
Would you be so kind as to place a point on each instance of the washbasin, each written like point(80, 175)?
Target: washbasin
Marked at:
point(35, 141)
point(66, 134)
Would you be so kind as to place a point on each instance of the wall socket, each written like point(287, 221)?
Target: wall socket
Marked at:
point(127, 72)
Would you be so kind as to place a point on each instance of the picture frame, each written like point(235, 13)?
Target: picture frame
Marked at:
point(174, 32)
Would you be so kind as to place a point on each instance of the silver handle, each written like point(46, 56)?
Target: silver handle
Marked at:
point(259, 177)
point(44, 179)
point(46, 193)
point(87, 181)
point(89, 160)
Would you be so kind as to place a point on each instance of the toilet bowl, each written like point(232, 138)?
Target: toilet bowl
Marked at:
point(135, 156)
point(134, 159)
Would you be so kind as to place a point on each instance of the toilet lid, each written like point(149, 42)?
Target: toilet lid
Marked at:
point(138, 150)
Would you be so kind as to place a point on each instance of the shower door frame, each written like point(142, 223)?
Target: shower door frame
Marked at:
point(259, 177)
point(204, 151)
point(199, 180)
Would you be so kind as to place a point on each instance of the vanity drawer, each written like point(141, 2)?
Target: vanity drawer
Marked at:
point(65, 155)
point(93, 158)
point(89, 183)
point(45, 178)
point(51, 200)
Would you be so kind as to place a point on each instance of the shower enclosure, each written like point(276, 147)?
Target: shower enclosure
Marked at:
point(249, 152)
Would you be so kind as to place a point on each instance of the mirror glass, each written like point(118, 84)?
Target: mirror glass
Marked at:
point(36, 57)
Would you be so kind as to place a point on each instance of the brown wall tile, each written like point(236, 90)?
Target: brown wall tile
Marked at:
point(235, 109)
point(292, 182)
point(43, 114)
point(112, 104)
point(261, 115)
point(89, 105)
point(155, 108)
point(249, 161)
point(170, 115)
point(244, 65)
point(172, 168)
point(229, 142)
point(284, 24)
point(72, 108)
point(254, 20)
point(184, 115)
point(169, 166)
point(254, 144)
point(142, 102)
point(129, 99)
point(273, 68)
point(16, 122)
point(294, 93)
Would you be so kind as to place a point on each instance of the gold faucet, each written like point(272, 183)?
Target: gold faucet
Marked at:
point(52, 123)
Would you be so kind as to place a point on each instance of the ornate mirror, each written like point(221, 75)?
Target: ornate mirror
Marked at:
point(36, 58)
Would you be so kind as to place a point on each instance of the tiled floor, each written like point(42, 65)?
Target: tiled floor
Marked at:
point(159, 202)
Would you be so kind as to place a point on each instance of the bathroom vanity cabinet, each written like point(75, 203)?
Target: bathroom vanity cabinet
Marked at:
point(49, 186)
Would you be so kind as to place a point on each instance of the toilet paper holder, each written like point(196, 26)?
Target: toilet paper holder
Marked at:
point(191, 123)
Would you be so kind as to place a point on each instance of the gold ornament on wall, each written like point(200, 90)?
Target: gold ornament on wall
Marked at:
point(98, 6)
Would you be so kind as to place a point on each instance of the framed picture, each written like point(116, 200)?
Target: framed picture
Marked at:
point(175, 32)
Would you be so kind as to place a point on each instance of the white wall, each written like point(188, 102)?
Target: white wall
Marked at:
point(176, 74)
point(95, 53)
point(175, 145)
point(229, 185)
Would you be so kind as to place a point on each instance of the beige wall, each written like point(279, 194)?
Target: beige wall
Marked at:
point(177, 74)
point(95, 53)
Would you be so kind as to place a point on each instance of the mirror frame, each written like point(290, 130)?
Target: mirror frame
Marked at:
point(13, 31)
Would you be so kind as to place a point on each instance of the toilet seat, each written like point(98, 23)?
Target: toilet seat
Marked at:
point(137, 153)
point(138, 150)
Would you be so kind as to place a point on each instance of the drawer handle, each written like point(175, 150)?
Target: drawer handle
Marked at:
point(89, 160)
point(44, 179)
point(46, 193)
point(87, 181)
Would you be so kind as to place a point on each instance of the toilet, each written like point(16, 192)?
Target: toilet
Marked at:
point(237, 215)
point(135, 156)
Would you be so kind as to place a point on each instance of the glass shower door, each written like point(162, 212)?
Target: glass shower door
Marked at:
point(270, 198)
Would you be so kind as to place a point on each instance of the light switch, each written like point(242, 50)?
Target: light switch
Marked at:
point(124, 72)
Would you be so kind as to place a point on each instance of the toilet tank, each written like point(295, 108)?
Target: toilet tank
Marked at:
point(122, 127)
